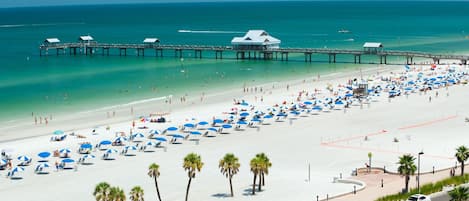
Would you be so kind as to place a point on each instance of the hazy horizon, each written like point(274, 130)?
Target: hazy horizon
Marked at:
point(40, 3)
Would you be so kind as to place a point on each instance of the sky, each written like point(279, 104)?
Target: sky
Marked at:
point(34, 3)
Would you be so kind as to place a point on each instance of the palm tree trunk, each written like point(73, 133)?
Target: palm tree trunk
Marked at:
point(260, 182)
point(462, 168)
point(157, 189)
point(188, 186)
point(407, 183)
point(263, 180)
point(231, 187)
point(254, 184)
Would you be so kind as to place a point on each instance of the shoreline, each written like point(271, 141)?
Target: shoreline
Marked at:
point(141, 107)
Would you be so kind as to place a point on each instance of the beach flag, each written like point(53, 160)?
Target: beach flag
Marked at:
point(142, 120)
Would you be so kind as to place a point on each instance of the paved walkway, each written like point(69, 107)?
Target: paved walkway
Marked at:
point(391, 184)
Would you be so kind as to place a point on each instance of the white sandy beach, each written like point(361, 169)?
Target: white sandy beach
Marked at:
point(332, 143)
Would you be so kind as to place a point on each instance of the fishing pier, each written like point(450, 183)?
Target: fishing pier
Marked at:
point(245, 48)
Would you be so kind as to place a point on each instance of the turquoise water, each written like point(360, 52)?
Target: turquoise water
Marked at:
point(29, 83)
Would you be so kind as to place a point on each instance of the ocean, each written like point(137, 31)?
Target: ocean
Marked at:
point(58, 84)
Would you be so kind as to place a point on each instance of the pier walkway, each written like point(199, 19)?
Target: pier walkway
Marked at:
point(91, 48)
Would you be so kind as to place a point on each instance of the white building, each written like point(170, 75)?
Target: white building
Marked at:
point(255, 40)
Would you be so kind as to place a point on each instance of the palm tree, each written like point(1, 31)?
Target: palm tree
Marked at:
point(369, 158)
point(266, 164)
point(459, 194)
point(229, 166)
point(462, 154)
point(136, 194)
point(154, 172)
point(116, 194)
point(256, 165)
point(101, 191)
point(406, 168)
point(192, 163)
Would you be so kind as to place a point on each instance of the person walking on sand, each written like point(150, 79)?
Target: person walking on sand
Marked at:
point(56, 166)
point(35, 120)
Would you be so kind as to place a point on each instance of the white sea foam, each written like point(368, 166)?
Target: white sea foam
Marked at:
point(127, 104)
point(208, 31)
point(39, 25)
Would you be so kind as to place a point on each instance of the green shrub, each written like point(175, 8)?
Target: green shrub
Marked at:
point(427, 188)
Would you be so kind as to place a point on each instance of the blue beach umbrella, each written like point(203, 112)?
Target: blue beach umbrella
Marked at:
point(295, 112)
point(138, 135)
point(349, 88)
point(255, 120)
point(105, 142)
point(339, 102)
point(189, 125)
point(217, 121)
point(161, 139)
point(88, 156)
point(172, 128)
point(268, 117)
point(3, 162)
point(23, 158)
point(241, 123)
point(212, 129)
point(86, 146)
point(130, 148)
point(348, 95)
point(151, 143)
point(317, 107)
point(203, 123)
point(195, 133)
point(42, 165)
point(59, 132)
point(244, 114)
point(178, 136)
point(155, 132)
point(17, 169)
point(120, 139)
point(244, 104)
point(110, 151)
point(68, 160)
point(65, 151)
point(281, 114)
point(308, 103)
point(44, 154)
point(226, 126)
point(411, 82)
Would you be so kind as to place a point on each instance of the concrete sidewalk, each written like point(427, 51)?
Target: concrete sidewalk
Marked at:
point(392, 183)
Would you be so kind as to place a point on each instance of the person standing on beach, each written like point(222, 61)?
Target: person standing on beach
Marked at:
point(35, 120)
point(40, 120)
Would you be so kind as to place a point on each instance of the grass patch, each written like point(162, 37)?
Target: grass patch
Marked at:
point(427, 189)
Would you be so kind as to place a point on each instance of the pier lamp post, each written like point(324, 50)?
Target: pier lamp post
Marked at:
point(418, 172)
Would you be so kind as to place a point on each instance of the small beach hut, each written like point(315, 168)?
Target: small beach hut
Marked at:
point(255, 40)
point(373, 47)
